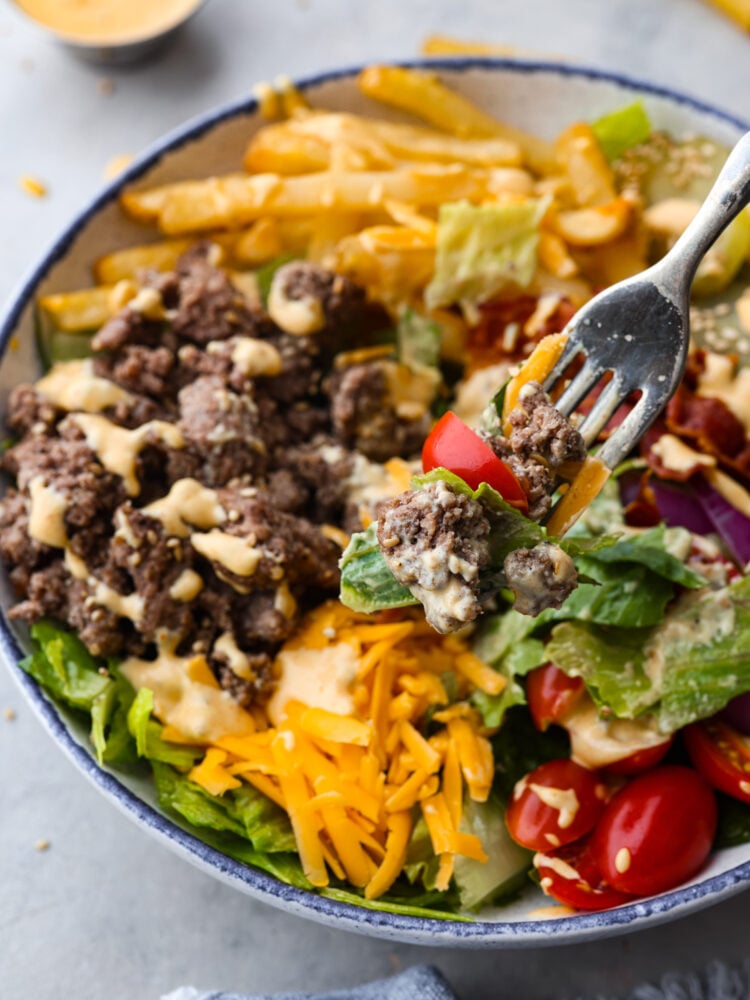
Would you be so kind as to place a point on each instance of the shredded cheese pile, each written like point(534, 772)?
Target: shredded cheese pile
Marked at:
point(353, 785)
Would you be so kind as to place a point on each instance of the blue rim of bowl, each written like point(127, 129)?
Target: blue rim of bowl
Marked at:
point(418, 930)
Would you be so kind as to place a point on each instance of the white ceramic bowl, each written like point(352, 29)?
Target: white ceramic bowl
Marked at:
point(540, 97)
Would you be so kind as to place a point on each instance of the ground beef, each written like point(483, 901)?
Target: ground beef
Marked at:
point(435, 542)
point(542, 431)
point(129, 327)
point(263, 442)
point(145, 371)
point(221, 427)
point(364, 417)
point(313, 476)
point(208, 305)
point(540, 441)
point(28, 411)
point(535, 478)
point(540, 578)
point(292, 549)
point(344, 315)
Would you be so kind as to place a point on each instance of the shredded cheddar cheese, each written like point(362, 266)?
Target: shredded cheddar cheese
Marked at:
point(353, 781)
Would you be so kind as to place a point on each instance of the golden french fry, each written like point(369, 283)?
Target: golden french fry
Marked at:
point(86, 309)
point(292, 99)
point(258, 244)
point(587, 227)
point(144, 206)
point(122, 264)
point(425, 96)
point(391, 262)
point(448, 45)
point(235, 200)
point(328, 233)
point(587, 169)
point(612, 262)
point(277, 149)
point(553, 254)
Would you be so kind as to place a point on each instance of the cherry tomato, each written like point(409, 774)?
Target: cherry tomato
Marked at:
point(551, 694)
point(722, 755)
point(569, 874)
point(554, 805)
point(656, 831)
point(453, 445)
point(641, 760)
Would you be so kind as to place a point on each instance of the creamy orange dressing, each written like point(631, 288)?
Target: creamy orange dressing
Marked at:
point(107, 21)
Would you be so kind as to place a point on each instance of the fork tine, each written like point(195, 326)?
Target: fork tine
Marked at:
point(624, 438)
point(580, 386)
point(608, 402)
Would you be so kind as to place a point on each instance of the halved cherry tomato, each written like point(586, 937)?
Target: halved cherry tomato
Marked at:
point(722, 755)
point(453, 445)
point(551, 694)
point(554, 805)
point(569, 874)
point(656, 831)
point(641, 760)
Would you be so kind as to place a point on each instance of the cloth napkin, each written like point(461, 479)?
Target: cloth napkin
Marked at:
point(423, 982)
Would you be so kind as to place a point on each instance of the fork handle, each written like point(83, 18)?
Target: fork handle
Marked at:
point(725, 200)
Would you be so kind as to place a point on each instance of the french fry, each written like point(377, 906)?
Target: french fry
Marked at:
point(588, 227)
point(125, 264)
point(235, 200)
point(307, 142)
point(260, 243)
point(553, 254)
point(279, 149)
point(422, 94)
point(588, 172)
point(329, 232)
point(392, 262)
point(74, 312)
point(447, 45)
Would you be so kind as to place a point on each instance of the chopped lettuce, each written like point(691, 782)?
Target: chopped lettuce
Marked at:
point(622, 129)
point(367, 583)
point(504, 872)
point(418, 340)
point(243, 811)
point(686, 668)
point(483, 250)
point(64, 667)
point(519, 748)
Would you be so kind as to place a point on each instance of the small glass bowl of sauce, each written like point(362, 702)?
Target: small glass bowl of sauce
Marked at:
point(113, 32)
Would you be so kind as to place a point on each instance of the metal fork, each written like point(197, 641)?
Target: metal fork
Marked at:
point(638, 330)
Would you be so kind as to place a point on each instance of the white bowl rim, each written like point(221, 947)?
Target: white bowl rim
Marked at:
point(417, 930)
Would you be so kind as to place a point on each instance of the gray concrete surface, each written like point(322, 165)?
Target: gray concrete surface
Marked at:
point(105, 913)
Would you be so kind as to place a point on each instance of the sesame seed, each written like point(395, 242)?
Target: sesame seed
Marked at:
point(9, 714)
point(42, 844)
point(622, 860)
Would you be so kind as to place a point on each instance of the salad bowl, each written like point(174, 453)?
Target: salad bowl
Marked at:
point(539, 97)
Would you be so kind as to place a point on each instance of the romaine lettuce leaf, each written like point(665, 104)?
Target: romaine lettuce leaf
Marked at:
point(504, 872)
point(367, 583)
point(686, 668)
point(622, 129)
point(483, 250)
point(64, 667)
point(243, 811)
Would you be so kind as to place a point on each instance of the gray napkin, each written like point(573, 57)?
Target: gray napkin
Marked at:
point(419, 983)
point(716, 982)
